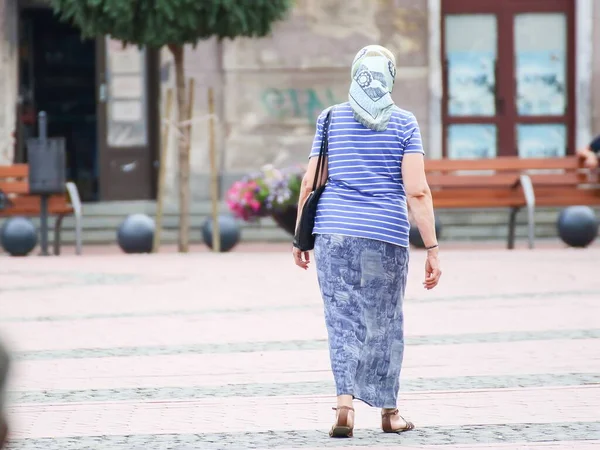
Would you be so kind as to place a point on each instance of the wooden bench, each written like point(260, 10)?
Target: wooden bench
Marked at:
point(513, 183)
point(14, 183)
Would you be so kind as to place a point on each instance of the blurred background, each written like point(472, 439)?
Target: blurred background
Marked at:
point(484, 79)
point(212, 351)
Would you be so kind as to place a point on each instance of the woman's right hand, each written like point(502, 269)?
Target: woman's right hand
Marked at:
point(432, 269)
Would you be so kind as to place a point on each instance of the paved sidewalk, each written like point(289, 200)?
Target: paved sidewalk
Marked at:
point(205, 351)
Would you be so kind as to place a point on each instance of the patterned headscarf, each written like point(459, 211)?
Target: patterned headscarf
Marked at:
point(373, 74)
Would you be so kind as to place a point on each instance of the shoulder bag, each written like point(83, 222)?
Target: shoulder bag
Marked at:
point(304, 238)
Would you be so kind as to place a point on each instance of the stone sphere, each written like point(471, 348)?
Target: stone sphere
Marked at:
point(577, 226)
point(136, 234)
point(229, 231)
point(18, 236)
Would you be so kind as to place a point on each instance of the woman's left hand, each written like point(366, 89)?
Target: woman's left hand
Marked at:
point(302, 259)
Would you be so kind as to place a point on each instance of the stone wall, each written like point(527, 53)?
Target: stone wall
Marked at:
point(8, 78)
point(270, 91)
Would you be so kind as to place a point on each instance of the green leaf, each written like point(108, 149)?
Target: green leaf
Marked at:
point(156, 23)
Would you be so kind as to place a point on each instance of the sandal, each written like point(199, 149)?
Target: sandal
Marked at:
point(342, 428)
point(386, 423)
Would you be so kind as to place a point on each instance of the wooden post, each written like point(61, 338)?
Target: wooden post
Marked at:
point(162, 161)
point(214, 179)
point(183, 157)
point(186, 129)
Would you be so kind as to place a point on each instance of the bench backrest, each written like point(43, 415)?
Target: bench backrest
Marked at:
point(504, 171)
point(14, 179)
point(14, 182)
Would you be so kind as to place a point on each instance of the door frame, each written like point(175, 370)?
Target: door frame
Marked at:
point(505, 83)
point(152, 120)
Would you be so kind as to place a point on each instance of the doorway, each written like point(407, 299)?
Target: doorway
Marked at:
point(57, 74)
point(102, 97)
point(128, 120)
point(510, 91)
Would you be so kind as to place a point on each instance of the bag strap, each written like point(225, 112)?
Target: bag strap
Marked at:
point(324, 149)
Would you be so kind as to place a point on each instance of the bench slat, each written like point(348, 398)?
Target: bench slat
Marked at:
point(30, 205)
point(477, 202)
point(450, 181)
point(545, 196)
point(478, 193)
point(14, 171)
point(33, 212)
point(502, 163)
point(14, 187)
point(26, 200)
point(507, 180)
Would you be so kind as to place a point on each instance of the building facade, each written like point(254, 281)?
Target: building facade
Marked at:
point(484, 78)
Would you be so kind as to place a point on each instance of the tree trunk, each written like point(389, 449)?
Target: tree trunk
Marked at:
point(183, 151)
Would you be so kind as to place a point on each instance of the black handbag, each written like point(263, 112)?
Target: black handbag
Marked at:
point(304, 238)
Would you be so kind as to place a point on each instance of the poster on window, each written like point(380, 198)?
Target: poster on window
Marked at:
point(471, 141)
point(127, 102)
point(542, 141)
point(471, 84)
point(541, 84)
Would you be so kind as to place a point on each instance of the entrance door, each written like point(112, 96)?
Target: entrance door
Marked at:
point(508, 78)
point(57, 75)
point(127, 145)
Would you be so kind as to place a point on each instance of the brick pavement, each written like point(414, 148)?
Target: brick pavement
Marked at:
point(228, 351)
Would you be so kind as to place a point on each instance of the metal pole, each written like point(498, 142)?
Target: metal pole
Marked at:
point(43, 127)
point(43, 131)
point(44, 225)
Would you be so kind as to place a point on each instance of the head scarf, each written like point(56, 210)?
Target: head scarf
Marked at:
point(373, 74)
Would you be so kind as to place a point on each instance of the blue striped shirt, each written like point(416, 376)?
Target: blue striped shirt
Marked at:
point(364, 196)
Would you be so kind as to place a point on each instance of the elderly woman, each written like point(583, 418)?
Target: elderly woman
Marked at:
point(375, 166)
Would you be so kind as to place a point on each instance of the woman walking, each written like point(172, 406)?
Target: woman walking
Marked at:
point(374, 167)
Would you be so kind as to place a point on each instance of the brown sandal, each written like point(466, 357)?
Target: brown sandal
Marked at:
point(386, 423)
point(342, 428)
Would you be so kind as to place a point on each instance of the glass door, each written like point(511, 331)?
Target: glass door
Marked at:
point(124, 111)
point(472, 106)
point(542, 84)
point(508, 73)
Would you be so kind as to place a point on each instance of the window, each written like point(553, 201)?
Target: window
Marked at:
point(508, 78)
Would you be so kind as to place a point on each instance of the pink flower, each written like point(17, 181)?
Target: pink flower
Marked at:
point(255, 205)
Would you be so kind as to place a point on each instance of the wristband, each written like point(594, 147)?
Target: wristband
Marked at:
point(432, 247)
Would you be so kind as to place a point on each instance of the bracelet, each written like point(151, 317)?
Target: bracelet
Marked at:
point(432, 247)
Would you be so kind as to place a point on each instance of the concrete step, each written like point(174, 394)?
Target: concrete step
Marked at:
point(101, 221)
point(122, 209)
point(169, 236)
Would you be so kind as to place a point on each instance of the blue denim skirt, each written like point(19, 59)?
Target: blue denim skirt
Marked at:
point(362, 282)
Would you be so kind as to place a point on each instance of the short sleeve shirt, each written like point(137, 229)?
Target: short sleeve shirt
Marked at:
point(364, 196)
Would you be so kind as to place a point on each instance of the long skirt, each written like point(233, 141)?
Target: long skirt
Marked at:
point(362, 282)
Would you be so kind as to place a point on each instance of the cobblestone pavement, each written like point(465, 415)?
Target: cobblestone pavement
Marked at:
point(205, 351)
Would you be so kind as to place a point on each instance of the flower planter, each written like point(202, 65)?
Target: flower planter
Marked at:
point(286, 219)
point(270, 192)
